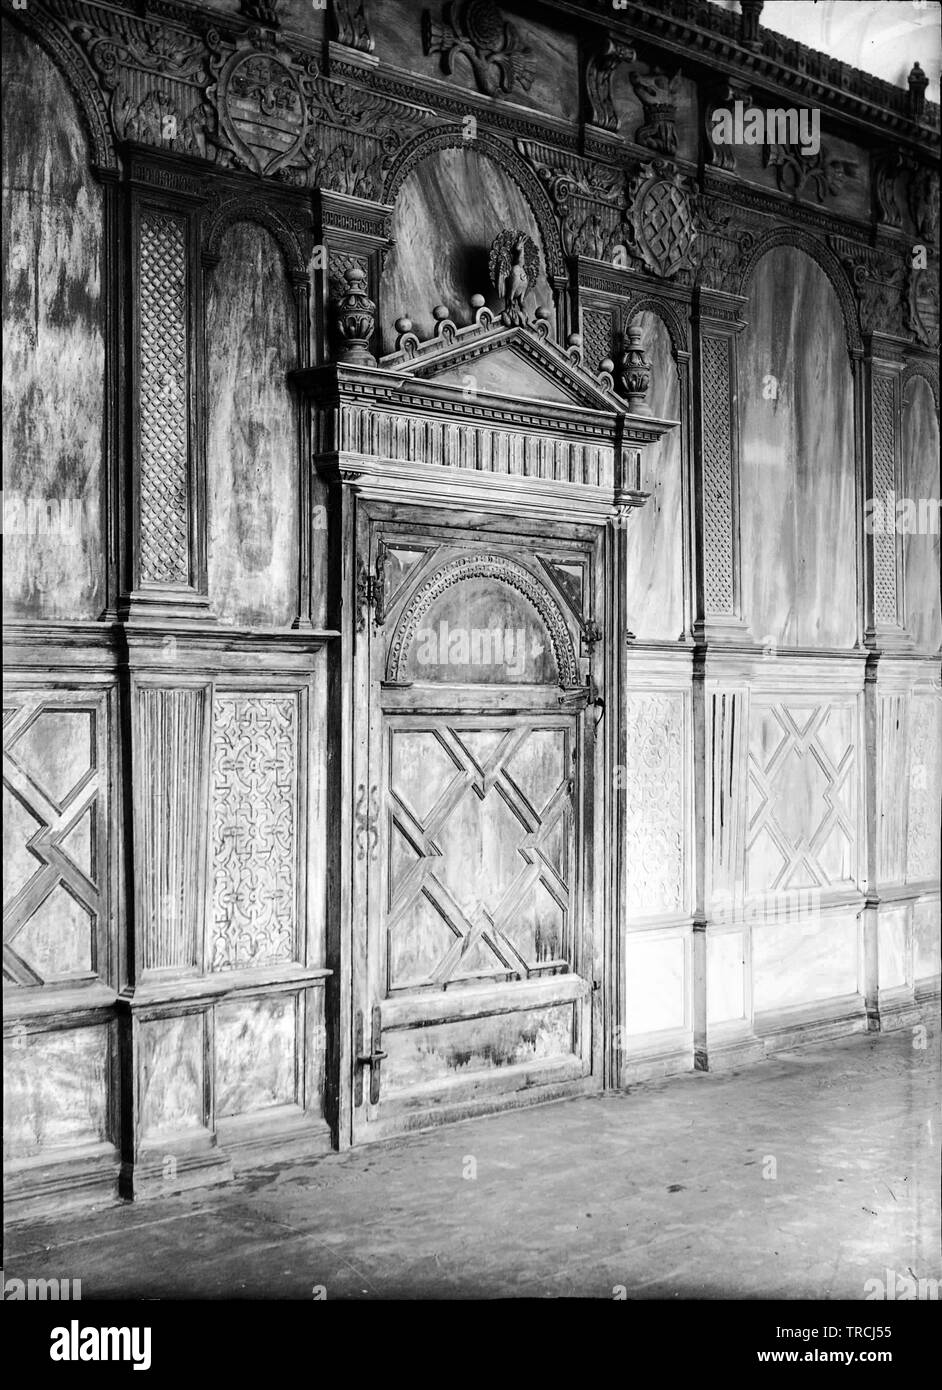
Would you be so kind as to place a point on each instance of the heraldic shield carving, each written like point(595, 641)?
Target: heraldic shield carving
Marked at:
point(263, 110)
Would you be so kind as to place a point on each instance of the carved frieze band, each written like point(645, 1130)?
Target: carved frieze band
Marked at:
point(363, 430)
point(254, 830)
point(884, 483)
point(170, 803)
point(718, 559)
point(164, 352)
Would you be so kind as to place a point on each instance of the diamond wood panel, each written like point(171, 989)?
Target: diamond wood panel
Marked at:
point(884, 482)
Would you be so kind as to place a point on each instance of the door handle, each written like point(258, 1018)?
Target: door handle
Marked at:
point(372, 1059)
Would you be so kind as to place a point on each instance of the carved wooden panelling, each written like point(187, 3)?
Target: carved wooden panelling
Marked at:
point(925, 787)
point(54, 355)
point(797, 476)
point(255, 1045)
point(254, 830)
point(884, 485)
point(170, 806)
point(727, 710)
point(654, 541)
point(447, 213)
point(480, 853)
point(55, 1091)
point(803, 773)
point(477, 1045)
point(252, 460)
point(892, 807)
point(55, 839)
point(598, 330)
point(654, 815)
point(718, 519)
point(172, 1064)
point(921, 551)
point(164, 354)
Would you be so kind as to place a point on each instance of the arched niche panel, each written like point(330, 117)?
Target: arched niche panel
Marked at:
point(448, 210)
point(920, 443)
point(797, 491)
point(54, 346)
point(482, 619)
point(252, 453)
point(654, 539)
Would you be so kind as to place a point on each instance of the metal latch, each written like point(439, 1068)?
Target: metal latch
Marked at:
point(372, 1059)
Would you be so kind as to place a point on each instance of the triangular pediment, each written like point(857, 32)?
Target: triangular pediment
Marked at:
point(520, 363)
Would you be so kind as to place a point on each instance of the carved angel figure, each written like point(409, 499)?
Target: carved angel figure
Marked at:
point(514, 267)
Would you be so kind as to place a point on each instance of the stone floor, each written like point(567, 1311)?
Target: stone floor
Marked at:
point(800, 1177)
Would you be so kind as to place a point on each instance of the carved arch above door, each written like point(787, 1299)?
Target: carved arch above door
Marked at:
point(483, 566)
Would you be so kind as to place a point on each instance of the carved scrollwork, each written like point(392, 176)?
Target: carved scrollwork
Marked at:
point(494, 48)
point(600, 68)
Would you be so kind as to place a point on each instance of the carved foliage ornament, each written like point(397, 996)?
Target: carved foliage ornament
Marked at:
point(476, 29)
point(820, 174)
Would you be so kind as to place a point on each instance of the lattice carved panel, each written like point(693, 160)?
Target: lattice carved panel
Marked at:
point(254, 830)
point(55, 795)
point(164, 352)
point(802, 803)
point(884, 483)
point(717, 478)
point(597, 337)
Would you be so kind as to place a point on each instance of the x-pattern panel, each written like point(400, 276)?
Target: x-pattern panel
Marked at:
point(803, 739)
point(57, 818)
point(425, 878)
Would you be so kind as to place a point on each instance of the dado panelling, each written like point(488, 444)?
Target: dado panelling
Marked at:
point(798, 513)
point(925, 786)
point(656, 790)
point(53, 346)
point(252, 454)
point(803, 795)
point(58, 838)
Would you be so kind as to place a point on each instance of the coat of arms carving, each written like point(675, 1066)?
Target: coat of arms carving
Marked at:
point(263, 110)
point(663, 225)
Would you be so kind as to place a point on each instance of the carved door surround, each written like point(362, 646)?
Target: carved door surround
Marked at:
point(481, 886)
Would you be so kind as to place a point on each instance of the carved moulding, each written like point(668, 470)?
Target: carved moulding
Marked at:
point(589, 199)
point(67, 54)
point(824, 256)
point(453, 137)
point(928, 372)
point(879, 280)
point(291, 230)
point(484, 567)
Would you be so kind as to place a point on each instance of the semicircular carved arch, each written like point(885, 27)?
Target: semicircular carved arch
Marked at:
point(240, 209)
point(73, 67)
point(484, 567)
point(927, 373)
point(825, 259)
point(671, 319)
point(453, 137)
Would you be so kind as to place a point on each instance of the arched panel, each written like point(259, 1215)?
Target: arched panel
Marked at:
point(448, 210)
point(482, 618)
point(920, 439)
point(654, 537)
point(54, 346)
point(252, 455)
point(797, 489)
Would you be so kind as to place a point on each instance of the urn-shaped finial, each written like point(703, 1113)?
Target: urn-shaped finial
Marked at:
point(356, 318)
point(635, 373)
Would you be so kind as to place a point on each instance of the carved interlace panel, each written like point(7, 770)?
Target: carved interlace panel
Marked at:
point(163, 360)
point(717, 479)
point(884, 482)
point(254, 830)
point(654, 812)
